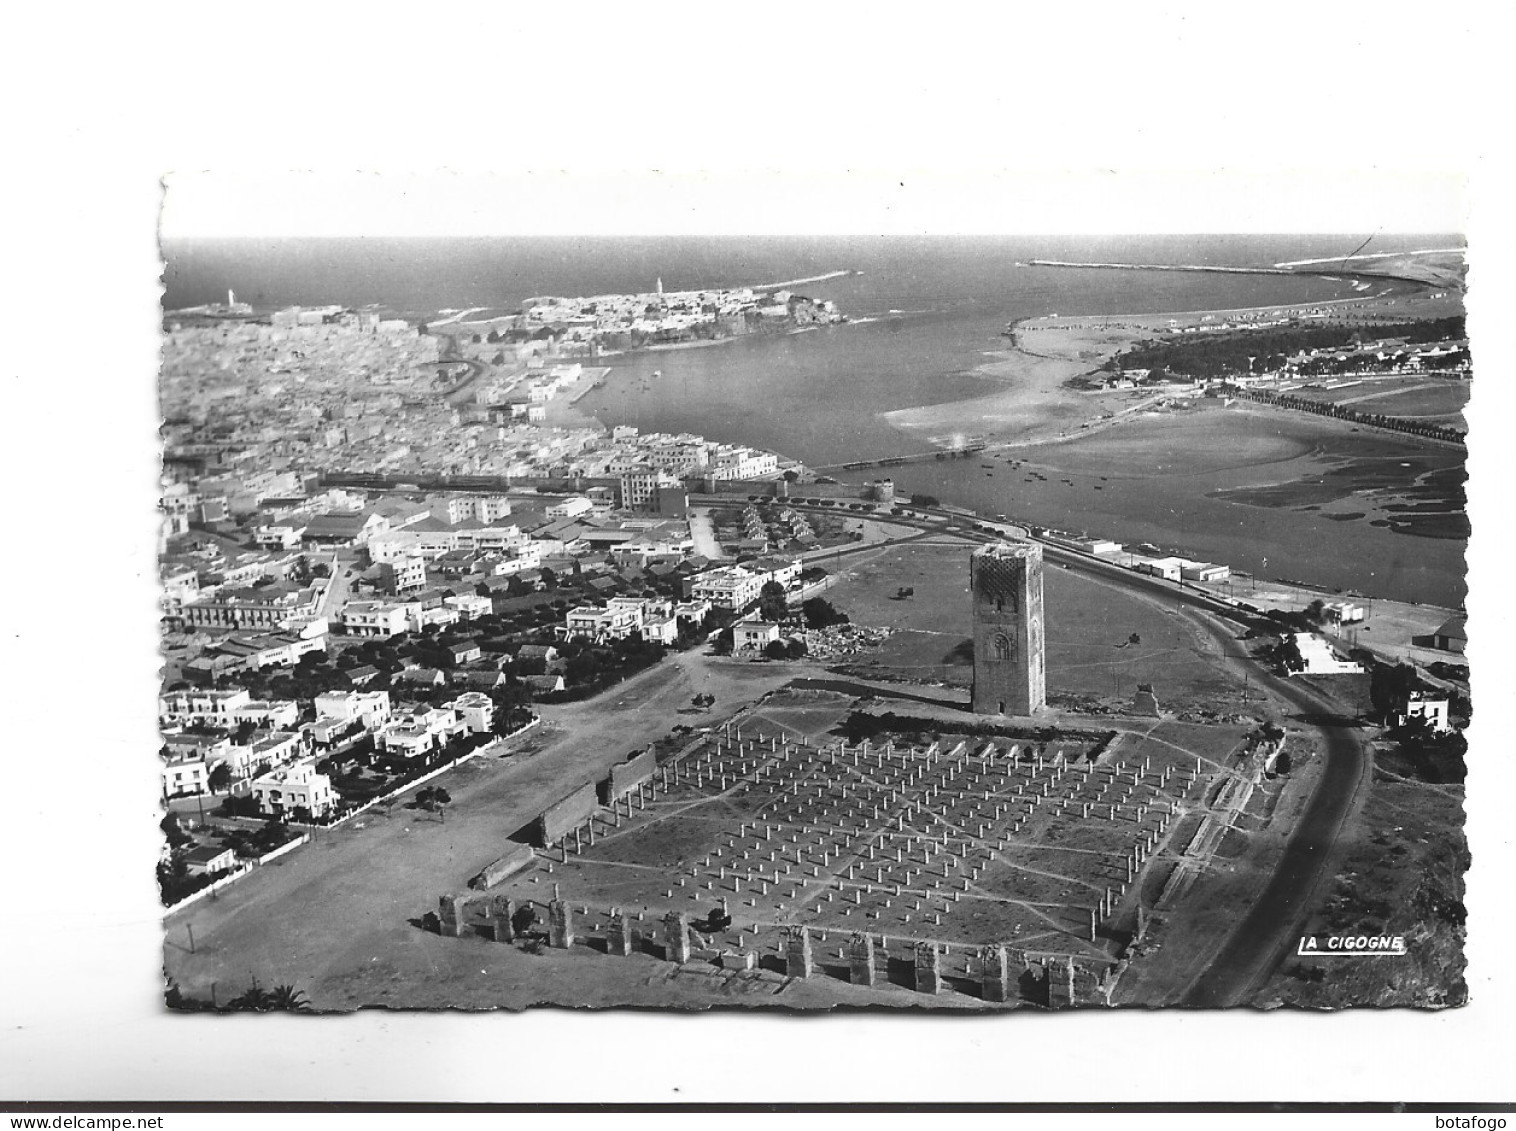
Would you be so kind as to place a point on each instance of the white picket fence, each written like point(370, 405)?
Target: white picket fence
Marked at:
point(305, 837)
point(400, 791)
point(237, 873)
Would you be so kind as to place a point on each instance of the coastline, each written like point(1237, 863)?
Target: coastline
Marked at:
point(1032, 406)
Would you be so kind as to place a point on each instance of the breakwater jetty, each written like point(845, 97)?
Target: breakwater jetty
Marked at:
point(1201, 267)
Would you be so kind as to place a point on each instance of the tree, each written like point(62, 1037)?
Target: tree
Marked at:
point(819, 613)
point(220, 777)
point(1289, 654)
point(288, 998)
point(175, 833)
point(776, 650)
point(772, 605)
point(1389, 687)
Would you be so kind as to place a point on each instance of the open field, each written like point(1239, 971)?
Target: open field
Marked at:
point(1092, 659)
point(1412, 397)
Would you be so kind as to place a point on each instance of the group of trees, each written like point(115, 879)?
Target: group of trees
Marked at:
point(255, 999)
point(1219, 354)
point(1344, 412)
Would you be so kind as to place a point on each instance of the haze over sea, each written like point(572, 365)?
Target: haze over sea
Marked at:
point(928, 312)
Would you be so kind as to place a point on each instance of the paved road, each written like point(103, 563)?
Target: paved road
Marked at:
point(1265, 934)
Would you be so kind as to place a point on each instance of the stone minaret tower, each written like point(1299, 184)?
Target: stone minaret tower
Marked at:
point(1006, 582)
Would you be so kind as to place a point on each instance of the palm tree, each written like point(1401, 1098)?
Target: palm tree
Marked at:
point(289, 999)
point(254, 999)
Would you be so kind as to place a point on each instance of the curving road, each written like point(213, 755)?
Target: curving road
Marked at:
point(1262, 937)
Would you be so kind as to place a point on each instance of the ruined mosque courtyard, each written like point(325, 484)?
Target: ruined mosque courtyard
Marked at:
point(962, 865)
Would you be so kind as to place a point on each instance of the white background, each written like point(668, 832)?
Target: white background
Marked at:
point(838, 117)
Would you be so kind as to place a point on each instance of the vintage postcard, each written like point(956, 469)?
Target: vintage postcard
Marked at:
point(953, 622)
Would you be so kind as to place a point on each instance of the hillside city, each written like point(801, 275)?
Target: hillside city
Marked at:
point(328, 643)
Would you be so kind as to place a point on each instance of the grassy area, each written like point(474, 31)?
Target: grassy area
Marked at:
point(1101, 641)
point(1403, 874)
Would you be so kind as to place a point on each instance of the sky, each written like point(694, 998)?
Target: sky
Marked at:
point(1015, 201)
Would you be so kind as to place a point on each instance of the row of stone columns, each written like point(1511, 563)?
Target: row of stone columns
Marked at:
point(499, 914)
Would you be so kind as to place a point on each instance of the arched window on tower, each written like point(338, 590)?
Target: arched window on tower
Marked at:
point(1000, 646)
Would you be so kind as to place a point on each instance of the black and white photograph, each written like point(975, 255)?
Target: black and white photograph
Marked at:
point(968, 622)
point(745, 560)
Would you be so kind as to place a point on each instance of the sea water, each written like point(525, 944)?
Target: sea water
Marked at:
point(929, 314)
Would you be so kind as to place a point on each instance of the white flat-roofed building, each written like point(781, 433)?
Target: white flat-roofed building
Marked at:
point(454, 509)
point(593, 623)
point(1342, 612)
point(227, 709)
point(279, 535)
point(1170, 569)
point(1319, 657)
point(661, 630)
point(371, 708)
point(469, 605)
point(782, 570)
point(692, 610)
point(403, 575)
point(640, 484)
point(426, 544)
point(209, 859)
point(476, 709)
point(299, 786)
point(184, 774)
point(180, 584)
point(750, 638)
point(1204, 571)
point(207, 708)
point(422, 731)
point(571, 507)
point(1434, 711)
point(727, 588)
point(376, 618)
point(271, 607)
point(270, 751)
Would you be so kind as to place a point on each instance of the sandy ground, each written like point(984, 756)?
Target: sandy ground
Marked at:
point(1034, 407)
point(1031, 406)
point(332, 917)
